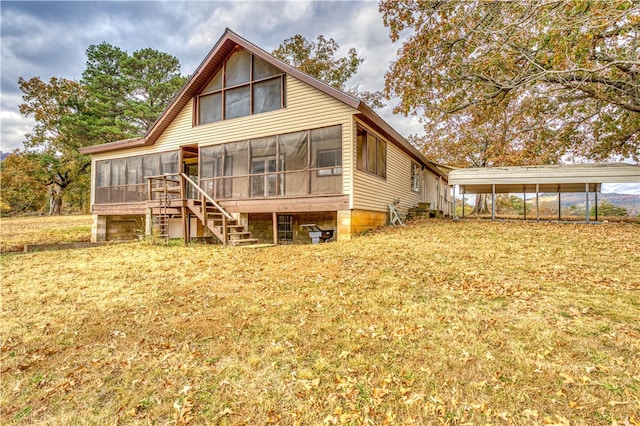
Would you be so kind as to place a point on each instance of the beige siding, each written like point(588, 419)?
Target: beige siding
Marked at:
point(307, 108)
point(93, 180)
point(435, 194)
point(429, 186)
point(372, 192)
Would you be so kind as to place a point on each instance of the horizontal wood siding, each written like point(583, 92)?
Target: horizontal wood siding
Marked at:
point(372, 192)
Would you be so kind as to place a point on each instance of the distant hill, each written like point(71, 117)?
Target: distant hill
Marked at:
point(4, 155)
point(631, 202)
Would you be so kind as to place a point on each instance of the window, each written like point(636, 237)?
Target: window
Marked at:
point(330, 162)
point(372, 153)
point(123, 180)
point(415, 177)
point(302, 163)
point(244, 85)
point(285, 229)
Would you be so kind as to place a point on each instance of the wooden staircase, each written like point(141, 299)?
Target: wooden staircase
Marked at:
point(226, 230)
point(211, 214)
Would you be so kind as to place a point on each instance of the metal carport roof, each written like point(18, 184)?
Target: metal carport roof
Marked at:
point(555, 178)
point(586, 178)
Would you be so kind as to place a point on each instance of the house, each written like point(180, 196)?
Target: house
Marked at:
point(250, 150)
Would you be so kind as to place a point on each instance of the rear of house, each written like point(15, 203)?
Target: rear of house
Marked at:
point(251, 150)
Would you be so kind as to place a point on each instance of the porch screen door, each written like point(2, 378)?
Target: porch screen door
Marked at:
point(263, 181)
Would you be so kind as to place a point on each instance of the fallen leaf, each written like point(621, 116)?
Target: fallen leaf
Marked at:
point(225, 412)
point(568, 380)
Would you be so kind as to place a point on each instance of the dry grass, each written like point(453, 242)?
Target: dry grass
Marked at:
point(435, 323)
point(17, 231)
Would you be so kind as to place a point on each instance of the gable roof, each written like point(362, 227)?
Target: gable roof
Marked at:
point(211, 63)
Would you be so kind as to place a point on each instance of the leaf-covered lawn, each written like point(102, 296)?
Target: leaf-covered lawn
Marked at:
point(438, 322)
point(17, 231)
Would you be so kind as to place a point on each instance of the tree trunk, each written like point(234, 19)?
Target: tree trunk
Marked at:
point(55, 200)
point(481, 206)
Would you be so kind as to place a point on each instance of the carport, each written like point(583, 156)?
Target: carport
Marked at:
point(587, 178)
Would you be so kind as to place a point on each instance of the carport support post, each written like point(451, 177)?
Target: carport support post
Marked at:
point(537, 201)
point(559, 204)
point(453, 213)
point(596, 196)
point(463, 197)
point(587, 214)
point(524, 202)
point(493, 201)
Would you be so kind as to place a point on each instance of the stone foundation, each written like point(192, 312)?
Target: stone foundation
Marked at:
point(99, 229)
point(116, 228)
point(353, 222)
point(345, 223)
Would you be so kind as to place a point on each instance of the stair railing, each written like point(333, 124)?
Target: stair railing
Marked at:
point(207, 198)
point(184, 181)
point(160, 184)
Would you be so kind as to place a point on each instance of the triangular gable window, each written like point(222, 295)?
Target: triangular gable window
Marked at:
point(244, 85)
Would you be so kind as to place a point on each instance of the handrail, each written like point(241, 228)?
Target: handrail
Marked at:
point(206, 196)
point(164, 176)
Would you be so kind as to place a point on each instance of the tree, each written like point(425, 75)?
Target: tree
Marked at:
point(570, 69)
point(154, 80)
point(21, 190)
point(509, 204)
point(118, 97)
point(318, 60)
point(104, 78)
point(128, 92)
point(53, 145)
point(607, 208)
point(486, 136)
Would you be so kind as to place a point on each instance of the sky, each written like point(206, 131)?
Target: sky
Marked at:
point(47, 39)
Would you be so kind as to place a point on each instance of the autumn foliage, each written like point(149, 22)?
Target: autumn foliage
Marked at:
point(516, 82)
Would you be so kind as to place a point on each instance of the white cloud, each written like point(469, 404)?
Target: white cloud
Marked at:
point(13, 128)
point(621, 188)
point(53, 42)
point(296, 10)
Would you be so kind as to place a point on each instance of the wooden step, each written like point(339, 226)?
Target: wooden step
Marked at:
point(238, 235)
point(217, 223)
point(243, 242)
